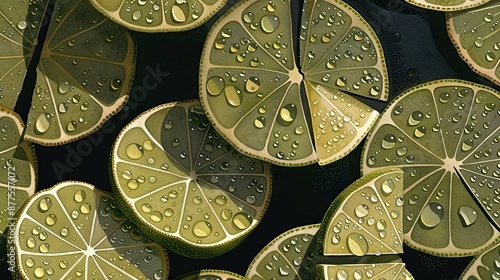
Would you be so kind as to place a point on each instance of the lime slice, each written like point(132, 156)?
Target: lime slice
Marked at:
point(74, 230)
point(251, 87)
point(159, 16)
point(83, 77)
point(184, 185)
point(212, 274)
point(484, 266)
point(473, 34)
point(359, 237)
point(445, 135)
point(447, 5)
point(20, 24)
point(17, 157)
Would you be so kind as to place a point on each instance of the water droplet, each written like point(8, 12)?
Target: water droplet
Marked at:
point(287, 114)
point(468, 215)
point(252, 84)
point(136, 15)
point(85, 208)
point(269, 23)
point(115, 84)
point(467, 144)
point(419, 132)
point(44, 204)
point(398, 110)
point(415, 118)
point(242, 220)
point(387, 187)
point(42, 123)
point(431, 215)
point(134, 151)
point(215, 85)
point(260, 122)
point(51, 220)
point(361, 211)
point(31, 243)
point(178, 14)
point(39, 272)
point(233, 96)
point(389, 141)
point(202, 229)
point(490, 56)
point(156, 216)
point(357, 244)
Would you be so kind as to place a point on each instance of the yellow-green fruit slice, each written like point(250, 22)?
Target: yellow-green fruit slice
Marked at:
point(75, 231)
point(445, 135)
point(184, 185)
point(251, 86)
point(161, 15)
point(212, 274)
point(20, 22)
point(366, 218)
point(447, 5)
point(484, 266)
point(83, 77)
point(473, 32)
point(18, 160)
point(396, 271)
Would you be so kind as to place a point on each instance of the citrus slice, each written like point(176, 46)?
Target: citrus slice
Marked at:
point(74, 230)
point(473, 35)
point(20, 22)
point(212, 274)
point(445, 135)
point(83, 77)
point(484, 266)
point(18, 160)
point(184, 185)
point(159, 16)
point(251, 87)
point(359, 236)
point(447, 5)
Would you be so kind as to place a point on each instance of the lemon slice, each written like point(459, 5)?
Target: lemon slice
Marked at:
point(74, 230)
point(445, 135)
point(212, 274)
point(484, 266)
point(20, 24)
point(184, 185)
point(252, 88)
point(473, 34)
point(20, 169)
point(360, 236)
point(447, 5)
point(159, 16)
point(83, 77)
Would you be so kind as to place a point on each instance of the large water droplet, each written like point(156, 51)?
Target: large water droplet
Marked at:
point(361, 211)
point(233, 96)
point(389, 141)
point(215, 85)
point(242, 220)
point(178, 14)
point(42, 123)
point(202, 229)
point(134, 151)
point(252, 84)
point(269, 23)
point(357, 244)
point(431, 215)
point(287, 114)
point(468, 215)
point(44, 204)
point(415, 118)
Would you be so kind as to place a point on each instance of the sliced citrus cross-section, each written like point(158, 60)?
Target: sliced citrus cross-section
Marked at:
point(447, 5)
point(83, 77)
point(473, 32)
point(212, 274)
point(159, 16)
point(359, 237)
point(20, 22)
point(445, 135)
point(184, 185)
point(251, 87)
point(484, 266)
point(73, 230)
point(18, 160)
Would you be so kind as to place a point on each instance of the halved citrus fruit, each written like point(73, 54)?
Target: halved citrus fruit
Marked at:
point(360, 236)
point(83, 77)
point(445, 135)
point(159, 16)
point(75, 231)
point(20, 169)
point(184, 185)
point(212, 274)
point(484, 266)
point(20, 22)
point(252, 89)
point(473, 32)
point(447, 5)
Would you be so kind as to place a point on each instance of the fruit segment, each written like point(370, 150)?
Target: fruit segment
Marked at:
point(447, 5)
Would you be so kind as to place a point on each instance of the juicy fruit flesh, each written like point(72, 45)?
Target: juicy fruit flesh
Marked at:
point(248, 68)
point(74, 230)
point(444, 135)
point(183, 180)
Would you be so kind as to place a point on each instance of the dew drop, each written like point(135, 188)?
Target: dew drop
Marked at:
point(468, 215)
point(42, 123)
point(269, 23)
point(431, 215)
point(202, 229)
point(287, 114)
point(51, 220)
point(242, 220)
point(361, 211)
point(156, 216)
point(44, 204)
point(252, 84)
point(85, 208)
point(389, 141)
point(134, 151)
point(136, 15)
point(357, 244)
point(260, 122)
point(387, 187)
point(178, 14)
point(115, 84)
point(39, 272)
point(415, 118)
point(233, 96)
point(215, 85)
point(467, 144)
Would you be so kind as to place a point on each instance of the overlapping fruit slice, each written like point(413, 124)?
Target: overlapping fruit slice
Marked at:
point(252, 90)
point(184, 185)
point(160, 15)
point(18, 160)
point(447, 5)
point(484, 266)
point(445, 135)
point(358, 238)
point(20, 22)
point(473, 32)
point(212, 274)
point(83, 77)
point(75, 231)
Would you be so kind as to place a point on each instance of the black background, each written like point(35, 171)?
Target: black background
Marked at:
point(417, 49)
